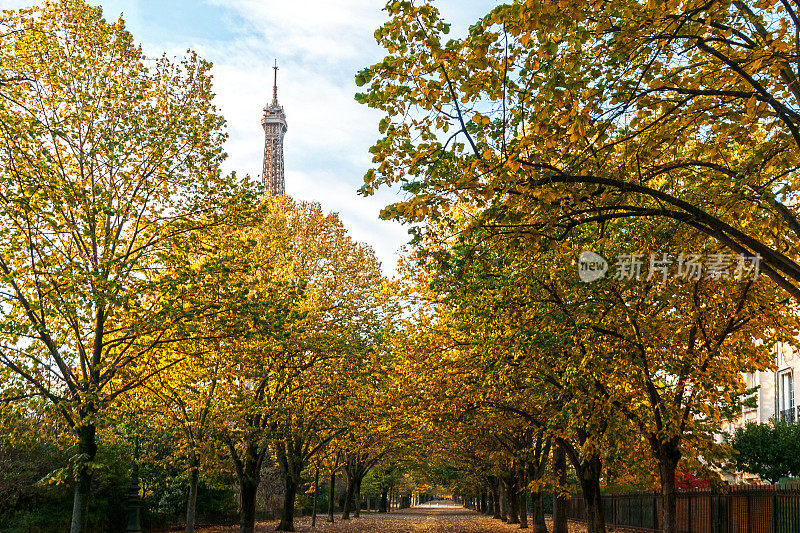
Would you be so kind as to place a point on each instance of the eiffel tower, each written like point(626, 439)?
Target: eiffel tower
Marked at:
point(274, 123)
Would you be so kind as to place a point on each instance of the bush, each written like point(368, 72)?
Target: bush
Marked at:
point(770, 450)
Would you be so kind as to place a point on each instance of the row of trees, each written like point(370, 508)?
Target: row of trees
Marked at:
point(37, 455)
point(143, 293)
point(146, 293)
point(514, 360)
point(652, 133)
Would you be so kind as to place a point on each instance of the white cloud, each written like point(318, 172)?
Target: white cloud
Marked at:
point(320, 45)
point(312, 30)
point(14, 4)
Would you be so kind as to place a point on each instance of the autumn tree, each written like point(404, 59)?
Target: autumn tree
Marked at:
point(521, 333)
point(203, 279)
point(550, 117)
point(257, 367)
point(553, 115)
point(368, 441)
point(105, 155)
point(347, 314)
point(509, 359)
point(679, 347)
point(658, 359)
point(182, 399)
point(305, 427)
point(282, 382)
point(373, 430)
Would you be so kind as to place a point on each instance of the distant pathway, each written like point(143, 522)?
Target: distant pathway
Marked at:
point(434, 517)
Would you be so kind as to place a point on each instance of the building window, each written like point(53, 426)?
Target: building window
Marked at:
point(786, 396)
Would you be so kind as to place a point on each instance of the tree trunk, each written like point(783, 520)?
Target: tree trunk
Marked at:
point(537, 513)
point(590, 486)
point(523, 502)
point(496, 500)
point(191, 504)
point(559, 501)
point(287, 516)
point(535, 470)
point(316, 496)
point(348, 498)
point(503, 500)
point(384, 500)
point(512, 499)
point(248, 472)
point(87, 447)
point(331, 496)
point(248, 489)
point(483, 500)
point(357, 498)
point(668, 456)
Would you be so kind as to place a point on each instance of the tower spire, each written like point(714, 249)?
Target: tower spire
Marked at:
point(274, 123)
point(275, 84)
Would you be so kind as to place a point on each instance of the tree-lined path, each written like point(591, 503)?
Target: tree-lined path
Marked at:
point(181, 346)
point(434, 517)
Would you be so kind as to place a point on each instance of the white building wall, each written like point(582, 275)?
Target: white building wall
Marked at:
point(772, 394)
point(776, 393)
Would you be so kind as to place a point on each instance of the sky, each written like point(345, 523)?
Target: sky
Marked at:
point(319, 46)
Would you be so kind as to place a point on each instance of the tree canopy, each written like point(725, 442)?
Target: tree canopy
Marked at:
point(247, 344)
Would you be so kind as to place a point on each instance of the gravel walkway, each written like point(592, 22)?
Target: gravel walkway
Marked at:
point(429, 518)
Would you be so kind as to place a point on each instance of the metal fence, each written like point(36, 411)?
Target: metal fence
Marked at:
point(747, 509)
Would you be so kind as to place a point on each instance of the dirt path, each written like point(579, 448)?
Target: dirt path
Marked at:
point(429, 518)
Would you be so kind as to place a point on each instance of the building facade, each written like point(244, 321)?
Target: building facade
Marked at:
point(775, 394)
point(274, 123)
point(774, 399)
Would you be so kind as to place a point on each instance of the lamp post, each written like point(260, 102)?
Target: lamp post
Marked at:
point(134, 507)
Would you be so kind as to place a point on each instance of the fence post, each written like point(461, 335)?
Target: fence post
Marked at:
point(655, 511)
point(711, 510)
point(774, 513)
point(690, 525)
point(749, 521)
point(613, 510)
